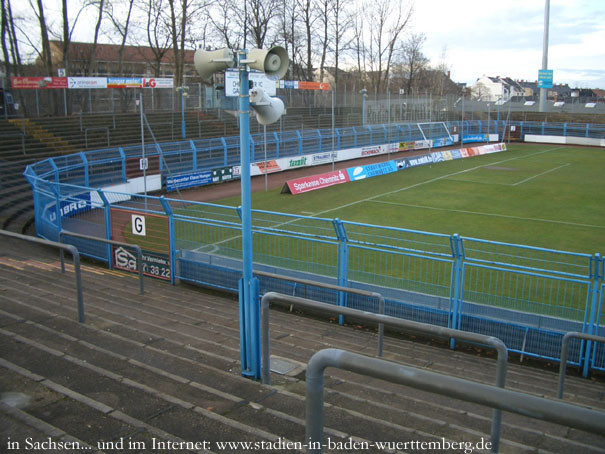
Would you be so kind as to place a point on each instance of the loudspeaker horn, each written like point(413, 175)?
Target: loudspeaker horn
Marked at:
point(209, 62)
point(268, 110)
point(273, 61)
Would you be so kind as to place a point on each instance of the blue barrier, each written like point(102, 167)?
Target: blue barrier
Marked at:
point(528, 297)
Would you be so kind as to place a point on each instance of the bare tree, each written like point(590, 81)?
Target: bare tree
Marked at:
point(261, 14)
point(121, 25)
point(4, 32)
point(93, 51)
point(45, 54)
point(309, 18)
point(388, 23)
point(225, 26)
point(413, 59)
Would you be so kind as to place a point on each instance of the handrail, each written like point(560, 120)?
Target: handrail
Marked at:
point(564, 353)
point(137, 248)
point(458, 388)
point(494, 342)
point(63, 247)
point(339, 288)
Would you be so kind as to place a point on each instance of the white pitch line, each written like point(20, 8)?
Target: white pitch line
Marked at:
point(479, 213)
point(540, 174)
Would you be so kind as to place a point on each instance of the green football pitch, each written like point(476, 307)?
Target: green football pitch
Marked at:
point(549, 196)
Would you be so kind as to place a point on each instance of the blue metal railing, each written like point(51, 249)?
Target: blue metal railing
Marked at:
point(529, 297)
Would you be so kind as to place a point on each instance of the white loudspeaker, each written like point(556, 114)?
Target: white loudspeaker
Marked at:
point(268, 110)
point(209, 62)
point(273, 61)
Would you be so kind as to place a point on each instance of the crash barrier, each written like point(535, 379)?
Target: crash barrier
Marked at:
point(458, 388)
point(62, 247)
point(405, 325)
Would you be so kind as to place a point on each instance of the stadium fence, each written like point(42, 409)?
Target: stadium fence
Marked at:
point(526, 296)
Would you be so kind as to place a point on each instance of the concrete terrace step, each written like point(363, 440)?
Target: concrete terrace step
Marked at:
point(175, 351)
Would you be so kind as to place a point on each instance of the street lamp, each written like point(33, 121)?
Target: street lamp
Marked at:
point(274, 62)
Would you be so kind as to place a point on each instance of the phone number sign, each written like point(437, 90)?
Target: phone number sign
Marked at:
point(154, 265)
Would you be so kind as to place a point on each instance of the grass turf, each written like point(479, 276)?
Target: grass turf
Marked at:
point(550, 196)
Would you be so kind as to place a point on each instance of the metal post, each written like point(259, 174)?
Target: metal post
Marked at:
point(143, 147)
point(544, 91)
point(249, 307)
point(364, 93)
point(565, 352)
point(183, 130)
point(265, 147)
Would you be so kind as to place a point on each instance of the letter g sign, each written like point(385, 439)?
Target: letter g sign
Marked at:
point(138, 225)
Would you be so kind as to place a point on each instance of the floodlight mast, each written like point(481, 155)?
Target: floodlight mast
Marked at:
point(544, 91)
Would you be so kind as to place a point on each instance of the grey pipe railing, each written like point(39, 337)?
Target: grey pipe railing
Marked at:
point(137, 248)
point(62, 247)
point(338, 288)
point(458, 388)
point(565, 352)
point(494, 342)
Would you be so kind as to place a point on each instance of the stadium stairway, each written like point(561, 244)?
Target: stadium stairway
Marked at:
point(164, 367)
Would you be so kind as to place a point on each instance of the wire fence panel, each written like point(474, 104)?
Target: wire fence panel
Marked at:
point(527, 296)
point(526, 257)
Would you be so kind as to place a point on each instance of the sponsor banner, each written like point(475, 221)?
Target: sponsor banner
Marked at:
point(401, 164)
point(369, 151)
point(420, 160)
point(87, 82)
point(158, 82)
point(154, 264)
point(372, 170)
point(443, 142)
point(456, 154)
point(124, 82)
point(406, 146)
point(257, 79)
point(475, 138)
point(268, 167)
point(437, 156)
point(222, 174)
point(419, 144)
point(300, 162)
point(314, 182)
point(324, 158)
point(189, 180)
point(313, 86)
point(302, 85)
point(447, 156)
point(22, 83)
point(74, 205)
point(493, 148)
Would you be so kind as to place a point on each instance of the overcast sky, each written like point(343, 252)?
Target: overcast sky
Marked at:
point(505, 38)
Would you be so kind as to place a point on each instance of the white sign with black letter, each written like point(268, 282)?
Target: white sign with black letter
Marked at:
point(138, 225)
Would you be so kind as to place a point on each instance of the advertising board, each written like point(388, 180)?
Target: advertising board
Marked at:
point(324, 180)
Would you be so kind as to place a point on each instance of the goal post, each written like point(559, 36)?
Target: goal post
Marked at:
point(434, 130)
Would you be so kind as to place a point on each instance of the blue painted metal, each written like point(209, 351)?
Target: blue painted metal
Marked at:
point(526, 293)
point(249, 299)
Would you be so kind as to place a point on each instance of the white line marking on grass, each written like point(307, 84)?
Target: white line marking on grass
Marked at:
point(432, 180)
point(480, 213)
point(540, 174)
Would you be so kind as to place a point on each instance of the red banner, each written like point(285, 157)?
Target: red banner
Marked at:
point(19, 83)
point(313, 86)
point(311, 183)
